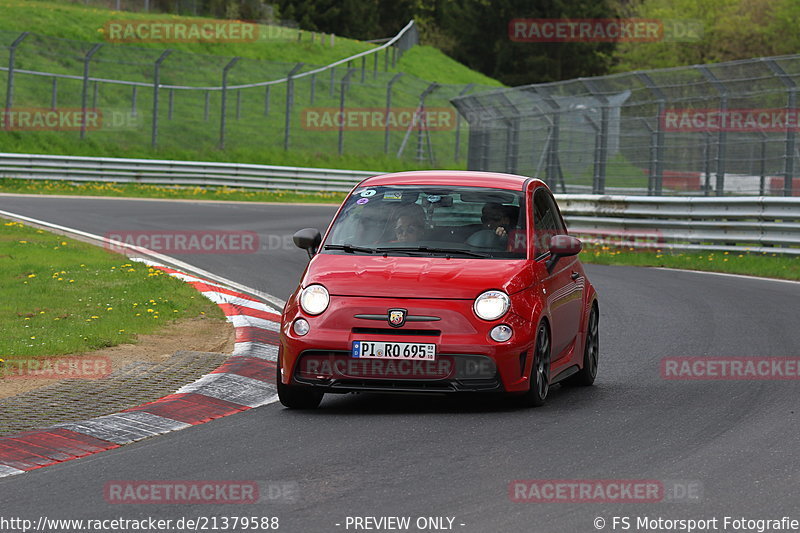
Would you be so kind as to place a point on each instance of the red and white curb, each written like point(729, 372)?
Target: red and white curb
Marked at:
point(244, 381)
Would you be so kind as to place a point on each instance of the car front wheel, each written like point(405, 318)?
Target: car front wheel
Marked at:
point(298, 396)
point(540, 371)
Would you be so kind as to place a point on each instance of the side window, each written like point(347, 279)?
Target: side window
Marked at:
point(546, 221)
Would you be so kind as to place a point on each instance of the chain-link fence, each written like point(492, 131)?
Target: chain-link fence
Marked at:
point(726, 128)
point(178, 100)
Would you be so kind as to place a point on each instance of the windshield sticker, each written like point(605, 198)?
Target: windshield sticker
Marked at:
point(368, 193)
point(433, 198)
point(393, 195)
point(362, 201)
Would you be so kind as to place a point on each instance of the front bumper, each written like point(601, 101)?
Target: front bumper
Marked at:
point(467, 359)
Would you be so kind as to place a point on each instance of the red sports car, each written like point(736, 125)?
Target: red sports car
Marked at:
point(440, 281)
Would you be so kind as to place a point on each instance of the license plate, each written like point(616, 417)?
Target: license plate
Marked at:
point(394, 350)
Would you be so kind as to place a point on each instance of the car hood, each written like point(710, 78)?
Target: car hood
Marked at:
point(416, 277)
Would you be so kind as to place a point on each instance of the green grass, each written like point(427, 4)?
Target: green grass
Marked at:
point(131, 190)
point(750, 264)
point(254, 134)
point(61, 296)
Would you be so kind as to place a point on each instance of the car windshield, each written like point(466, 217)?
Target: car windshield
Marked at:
point(419, 220)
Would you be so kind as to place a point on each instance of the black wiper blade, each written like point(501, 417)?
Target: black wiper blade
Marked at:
point(349, 248)
point(432, 250)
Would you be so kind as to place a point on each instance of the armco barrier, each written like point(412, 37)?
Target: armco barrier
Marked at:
point(753, 223)
point(756, 224)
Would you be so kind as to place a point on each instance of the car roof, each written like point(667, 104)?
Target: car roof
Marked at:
point(466, 178)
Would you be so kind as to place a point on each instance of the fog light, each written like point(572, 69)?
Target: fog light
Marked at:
point(501, 333)
point(301, 326)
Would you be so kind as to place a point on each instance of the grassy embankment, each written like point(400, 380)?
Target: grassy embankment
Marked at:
point(61, 296)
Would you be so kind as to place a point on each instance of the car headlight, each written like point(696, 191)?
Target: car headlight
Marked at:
point(314, 299)
point(491, 305)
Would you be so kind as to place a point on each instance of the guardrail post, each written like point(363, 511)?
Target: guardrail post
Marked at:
point(84, 92)
point(342, 92)
point(788, 155)
point(156, 86)
point(12, 56)
point(722, 137)
point(287, 124)
point(54, 95)
point(656, 179)
point(387, 130)
point(223, 110)
point(762, 174)
point(464, 91)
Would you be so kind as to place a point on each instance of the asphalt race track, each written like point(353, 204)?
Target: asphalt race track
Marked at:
point(375, 455)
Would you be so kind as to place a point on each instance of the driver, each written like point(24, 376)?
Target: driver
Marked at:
point(497, 217)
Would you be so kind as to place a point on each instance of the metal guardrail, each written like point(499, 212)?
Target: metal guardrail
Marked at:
point(182, 173)
point(736, 224)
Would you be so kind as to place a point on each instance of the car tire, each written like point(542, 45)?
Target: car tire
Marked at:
point(540, 371)
point(591, 352)
point(298, 396)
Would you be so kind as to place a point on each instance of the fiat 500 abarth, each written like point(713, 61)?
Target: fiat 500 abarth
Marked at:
point(440, 281)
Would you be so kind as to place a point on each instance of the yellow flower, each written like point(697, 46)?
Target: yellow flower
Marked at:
point(31, 275)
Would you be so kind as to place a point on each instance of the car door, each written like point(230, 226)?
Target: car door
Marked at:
point(564, 284)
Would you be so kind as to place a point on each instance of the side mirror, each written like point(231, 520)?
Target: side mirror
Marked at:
point(308, 239)
point(562, 246)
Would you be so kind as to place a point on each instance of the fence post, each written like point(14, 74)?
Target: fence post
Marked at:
point(238, 104)
point(156, 85)
point(287, 124)
point(171, 104)
point(788, 156)
point(266, 100)
point(656, 180)
point(342, 92)
point(54, 96)
point(207, 105)
point(223, 111)
point(363, 68)
point(389, 86)
point(333, 81)
point(12, 55)
point(722, 137)
point(599, 180)
point(84, 93)
point(313, 87)
point(553, 167)
point(375, 66)
point(464, 91)
point(417, 112)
